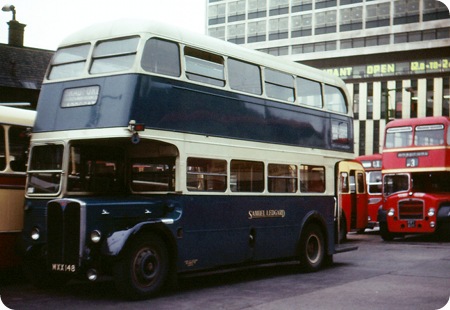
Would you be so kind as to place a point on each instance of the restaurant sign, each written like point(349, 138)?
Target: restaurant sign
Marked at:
point(392, 69)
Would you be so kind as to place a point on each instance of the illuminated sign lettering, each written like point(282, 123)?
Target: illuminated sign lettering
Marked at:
point(392, 69)
point(383, 69)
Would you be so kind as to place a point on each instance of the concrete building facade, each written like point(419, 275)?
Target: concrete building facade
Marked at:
point(394, 55)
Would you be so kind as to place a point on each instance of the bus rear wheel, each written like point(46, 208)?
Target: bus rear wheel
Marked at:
point(144, 268)
point(312, 248)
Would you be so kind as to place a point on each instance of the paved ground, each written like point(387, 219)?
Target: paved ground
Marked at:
point(411, 273)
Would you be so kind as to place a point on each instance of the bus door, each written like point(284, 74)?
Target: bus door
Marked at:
point(352, 196)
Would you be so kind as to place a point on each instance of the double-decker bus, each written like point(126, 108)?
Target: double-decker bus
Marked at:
point(15, 125)
point(372, 166)
point(416, 177)
point(158, 152)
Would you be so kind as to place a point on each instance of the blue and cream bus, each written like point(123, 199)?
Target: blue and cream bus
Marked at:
point(158, 152)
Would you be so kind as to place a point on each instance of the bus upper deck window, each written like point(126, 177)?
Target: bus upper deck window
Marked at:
point(399, 137)
point(204, 67)
point(279, 85)
point(162, 57)
point(244, 76)
point(69, 62)
point(334, 99)
point(114, 55)
point(309, 92)
point(429, 135)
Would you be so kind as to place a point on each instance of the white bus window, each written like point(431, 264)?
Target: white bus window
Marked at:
point(18, 148)
point(204, 67)
point(374, 182)
point(116, 55)
point(309, 92)
point(69, 62)
point(282, 178)
point(312, 179)
point(334, 99)
point(429, 135)
point(247, 176)
point(399, 137)
point(162, 57)
point(206, 174)
point(2, 149)
point(279, 85)
point(244, 77)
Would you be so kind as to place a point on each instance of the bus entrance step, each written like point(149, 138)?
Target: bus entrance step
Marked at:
point(341, 248)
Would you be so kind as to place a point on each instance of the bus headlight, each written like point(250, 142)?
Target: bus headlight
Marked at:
point(96, 236)
point(35, 233)
point(391, 212)
point(431, 212)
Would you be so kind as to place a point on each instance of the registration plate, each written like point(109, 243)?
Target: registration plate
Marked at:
point(411, 223)
point(64, 268)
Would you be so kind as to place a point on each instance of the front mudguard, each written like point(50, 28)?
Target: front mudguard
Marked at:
point(115, 244)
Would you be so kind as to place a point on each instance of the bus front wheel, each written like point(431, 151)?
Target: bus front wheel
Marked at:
point(384, 232)
point(144, 268)
point(312, 248)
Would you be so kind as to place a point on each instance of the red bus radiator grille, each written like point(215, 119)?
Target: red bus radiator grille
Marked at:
point(410, 210)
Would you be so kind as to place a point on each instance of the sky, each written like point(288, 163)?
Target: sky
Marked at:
point(50, 21)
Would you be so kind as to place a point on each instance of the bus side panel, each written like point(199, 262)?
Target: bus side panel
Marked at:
point(174, 105)
point(225, 230)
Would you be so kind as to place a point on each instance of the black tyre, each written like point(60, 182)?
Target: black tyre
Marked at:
point(312, 248)
point(384, 232)
point(143, 269)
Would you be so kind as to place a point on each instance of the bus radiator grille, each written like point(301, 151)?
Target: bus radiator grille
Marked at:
point(63, 226)
point(410, 210)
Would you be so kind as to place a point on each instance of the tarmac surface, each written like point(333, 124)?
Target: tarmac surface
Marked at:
point(409, 273)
